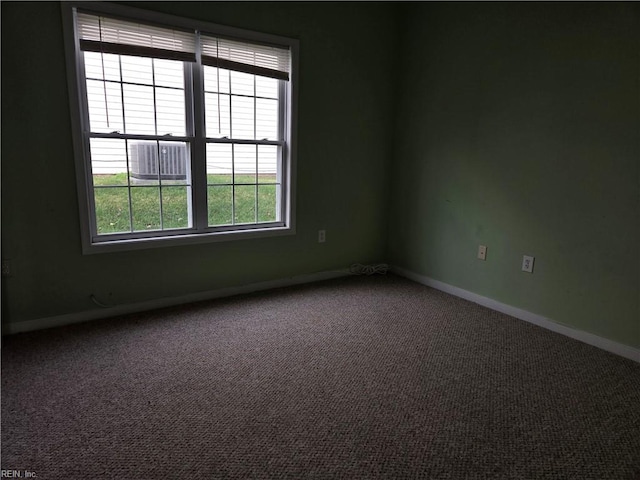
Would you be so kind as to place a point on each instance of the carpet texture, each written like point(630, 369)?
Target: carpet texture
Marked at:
point(355, 378)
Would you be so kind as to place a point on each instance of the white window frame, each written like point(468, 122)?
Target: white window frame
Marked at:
point(199, 231)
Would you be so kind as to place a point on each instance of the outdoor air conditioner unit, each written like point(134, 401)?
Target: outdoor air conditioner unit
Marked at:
point(172, 160)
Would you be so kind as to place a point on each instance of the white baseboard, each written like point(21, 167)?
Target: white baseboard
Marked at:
point(589, 338)
point(67, 319)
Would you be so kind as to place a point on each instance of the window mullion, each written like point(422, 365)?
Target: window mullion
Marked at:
point(233, 152)
point(257, 206)
point(255, 136)
point(199, 154)
point(282, 175)
point(233, 183)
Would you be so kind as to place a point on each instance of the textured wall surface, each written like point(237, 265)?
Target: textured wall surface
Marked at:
point(518, 129)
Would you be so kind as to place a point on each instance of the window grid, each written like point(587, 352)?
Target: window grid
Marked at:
point(238, 179)
point(133, 191)
point(256, 107)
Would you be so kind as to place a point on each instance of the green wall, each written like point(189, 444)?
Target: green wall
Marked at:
point(345, 100)
point(518, 129)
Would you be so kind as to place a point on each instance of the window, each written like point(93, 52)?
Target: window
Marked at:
point(183, 130)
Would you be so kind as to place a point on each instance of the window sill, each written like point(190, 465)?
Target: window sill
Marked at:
point(122, 245)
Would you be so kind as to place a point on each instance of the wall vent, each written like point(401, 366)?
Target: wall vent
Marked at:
point(172, 160)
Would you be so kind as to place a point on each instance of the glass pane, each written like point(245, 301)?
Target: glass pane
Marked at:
point(138, 109)
point(145, 206)
point(267, 163)
point(175, 207)
point(266, 119)
point(244, 163)
point(96, 64)
point(224, 80)
point(112, 209)
point(216, 80)
point(111, 64)
point(153, 162)
point(105, 106)
point(217, 113)
point(220, 205)
point(219, 163)
point(267, 203)
point(242, 83)
point(93, 65)
point(108, 161)
point(168, 73)
point(143, 162)
point(242, 118)
point(170, 111)
point(266, 87)
point(245, 204)
point(175, 163)
point(136, 69)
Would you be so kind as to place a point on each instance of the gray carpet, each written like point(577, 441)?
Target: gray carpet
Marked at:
point(356, 378)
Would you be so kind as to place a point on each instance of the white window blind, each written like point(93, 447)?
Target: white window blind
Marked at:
point(111, 35)
point(253, 58)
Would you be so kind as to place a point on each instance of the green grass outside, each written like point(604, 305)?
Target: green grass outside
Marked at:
point(113, 214)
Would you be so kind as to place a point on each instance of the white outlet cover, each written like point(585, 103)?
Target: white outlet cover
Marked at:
point(527, 263)
point(482, 252)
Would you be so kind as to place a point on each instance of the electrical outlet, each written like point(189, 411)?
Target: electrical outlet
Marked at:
point(322, 236)
point(527, 263)
point(482, 252)
point(6, 268)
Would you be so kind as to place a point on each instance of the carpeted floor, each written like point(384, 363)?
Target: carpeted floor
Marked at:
point(356, 378)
